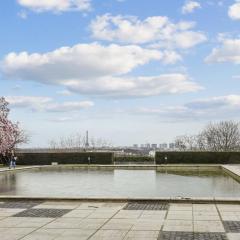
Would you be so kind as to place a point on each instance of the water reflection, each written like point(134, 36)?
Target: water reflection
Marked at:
point(8, 183)
point(62, 182)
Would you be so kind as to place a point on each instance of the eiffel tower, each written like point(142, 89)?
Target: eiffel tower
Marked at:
point(87, 142)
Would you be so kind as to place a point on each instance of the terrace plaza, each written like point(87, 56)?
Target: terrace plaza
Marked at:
point(74, 219)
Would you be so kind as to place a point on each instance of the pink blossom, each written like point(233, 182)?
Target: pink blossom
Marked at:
point(8, 130)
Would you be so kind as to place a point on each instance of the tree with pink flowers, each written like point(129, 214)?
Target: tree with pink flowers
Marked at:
point(10, 133)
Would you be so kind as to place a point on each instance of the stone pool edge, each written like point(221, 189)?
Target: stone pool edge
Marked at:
point(199, 200)
point(233, 170)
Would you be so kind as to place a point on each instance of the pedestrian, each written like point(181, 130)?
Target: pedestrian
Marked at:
point(14, 160)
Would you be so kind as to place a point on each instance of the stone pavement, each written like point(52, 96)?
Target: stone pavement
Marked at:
point(74, 220)
point(235, 169)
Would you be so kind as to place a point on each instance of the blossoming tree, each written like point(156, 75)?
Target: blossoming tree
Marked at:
point(10, 133)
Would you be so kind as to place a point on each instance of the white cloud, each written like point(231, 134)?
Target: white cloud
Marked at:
point(82, 61)
point(236, 77)
point(68, 106)
point(46, 104)
point(229, 101)
point(222, 107)
point(93, 69)
point(190, 6)
point(153, 30)
point(28, 101)
point(234, 11)
point(62, 119)
point(23, 14)
point(56, 5)
point(64, 93)
point(136, 86)
point(228, 51)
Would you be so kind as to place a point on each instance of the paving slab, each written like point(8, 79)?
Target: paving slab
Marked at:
point(146, 205)
point(75, 234)
point(58, 205)
point(153, 215)
point(44, 234)
point(230, 216)
point(19, 204)
point(98, 214)
point(233, 236)
point(109, 234)
point(206, 216)
point(178, 225)
point(228, 207)
point(235, 169)
point(109, 220)
point(180, 215)
point(61, 223)
point(7, 212)
point(148, 225)
point(142, 235)
point(178, 235)
point(42, 212)
point(14, 233)
point(208, 226)
point(232, 226)
point(91, 205)
point(119, 224)
point(205, 207)
point(180, 207)
point(210, 236)
point(129, 214)
point(22, 222)
point(93, 223)
point(78, 213)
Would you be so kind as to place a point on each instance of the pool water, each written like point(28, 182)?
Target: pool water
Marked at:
point(77, 182)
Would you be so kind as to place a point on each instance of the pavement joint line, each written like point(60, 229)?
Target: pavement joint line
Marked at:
point(220, 216)
point(103, 225)
point(39, 229)
point(131, 227)
point(36, 229)
point(165, 218)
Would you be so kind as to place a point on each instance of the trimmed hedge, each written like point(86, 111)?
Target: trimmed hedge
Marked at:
point(197, 157)
point(134, 159)
point(46, 158)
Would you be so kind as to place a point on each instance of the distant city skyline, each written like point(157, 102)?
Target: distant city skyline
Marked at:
point(127, 71)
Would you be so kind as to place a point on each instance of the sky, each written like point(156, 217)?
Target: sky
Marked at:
point(128, 71)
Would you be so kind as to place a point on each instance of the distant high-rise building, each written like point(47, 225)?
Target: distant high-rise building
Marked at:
point(163, 146)
point(135, 145)
point(148, 145)
point(172, 145)
point(154, 146)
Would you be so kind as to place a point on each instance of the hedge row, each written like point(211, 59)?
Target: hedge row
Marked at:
point(46, 158)
point(197, 157)
point(134, 159)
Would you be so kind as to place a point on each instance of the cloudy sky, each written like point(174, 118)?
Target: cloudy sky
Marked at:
point(129, 71)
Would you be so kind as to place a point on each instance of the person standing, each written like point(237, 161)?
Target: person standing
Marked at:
point(14, 160)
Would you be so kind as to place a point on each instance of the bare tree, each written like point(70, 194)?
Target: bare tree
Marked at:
point(180, 143)
point(222, 136)
point(78, 141)
point(187, 142)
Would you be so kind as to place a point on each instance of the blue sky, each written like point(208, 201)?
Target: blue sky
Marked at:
point(128, 71)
